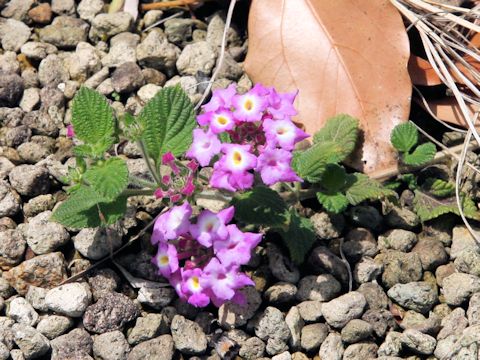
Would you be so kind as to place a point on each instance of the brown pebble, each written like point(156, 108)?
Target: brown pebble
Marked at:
point(42, 14)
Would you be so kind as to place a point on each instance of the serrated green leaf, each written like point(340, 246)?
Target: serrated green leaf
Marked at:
point(334, 178)
point(438, 187)
point(341, 130)
point(410, 180)
point(114, 210)
point(333, 202)
point(310, 164)
point(168, 121)
point(404, 137)
point(363, 188)
point(430, 207)
point(261, 206)
point(93, 120)
point(299, 237)
point(108, 178)
point(422, 155)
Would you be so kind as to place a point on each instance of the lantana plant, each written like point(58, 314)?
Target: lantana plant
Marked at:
point(248, 141)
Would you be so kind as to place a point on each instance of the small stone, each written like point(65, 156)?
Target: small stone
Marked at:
point(161, 347)
point(14, 34)
point(416, 341)
point(281, 266)
point(453, 324)
point(233, 315)
point(196, 58)
point(416, 321)
point(189, 84)
point(63, 7)
point(338, 312)
point(215, 30)
point(366, 270)
point(402, 218)
point(399, 267)
point(41, 14)
point(356, 330)
point(366, 216)
point(96, 79)
point(42, 271)
point(122, 49)
point(42, 235)
point(359, 242)
point(283, 356)
point(4, 352)
point(12, 248)
point(95, 243)
point(327, 226)
point(418, 296)
point(381, 320)
point(5, 289)
point(65, 32)
point(111, 312)
point(458, 287)
point(148, 327)
point(462, 240)
point(295, 324)
point(156, 295)
point(69, 299)
point(52, 71)
point(84, 62)
point(281, 293)
point(147, 92)
point(178, 31)
point(310, 311)
point(156, 52)
point(5, 167)
point(271, 327)
point(431, 252)
point(313, 336)
point(360, 351)
point(127, 78)
point(17, 9)
point(87, 9)
point(392, 345)
point(473, 312)
point(468, 261)
point(398, 239)
point(154, 77)
point(30, 341)
point(321, 258)
point(38, 205)
point(52, 326)
point(22, 312)
point(102, 282)
point(321, 288)
point(105, 26)
point(374, 295)
point(230, 69)
point(253, 348)
point(110, 346)
point(37, 50)
point(77, 344)
point(151, 17)
point(11, 89)
point(443, 271)
point(332, 348)
point(30, 99)
point(188, 336)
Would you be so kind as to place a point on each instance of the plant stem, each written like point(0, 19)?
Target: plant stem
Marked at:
point(137, 192)
point(141, 146)
point(139, 181)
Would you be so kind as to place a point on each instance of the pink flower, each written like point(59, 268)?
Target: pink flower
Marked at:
point(237, 158)
point(224, 280)
point(237, 248)
point(225, 179)
point(211, 227)
point(274, 166)
point(172, 224)
point(283, 133)
point(70, 131)
point(280, 106)
point(221, 98)
point(251, 105)
point(204, 147)
point(220, 121)
point(194, 287)
point(166, 259)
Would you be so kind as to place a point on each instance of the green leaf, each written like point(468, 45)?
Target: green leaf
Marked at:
point(108, 178)
point(168, 121)
point(404, 137)
point(299, 237)
point(334, 178)
point(261, 206)
point(78, 211)
point(341, 130)
point(93, 120)
point(423, 154)
point(410, 180)
point(430, 207)
point(311, 163)
point(114, 210)
point(335, 203)
point(438, 187)
point(363, 188)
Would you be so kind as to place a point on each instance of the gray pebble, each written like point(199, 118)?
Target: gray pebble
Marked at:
point(313, 336)
point(271, 327)
point(52, 326)
point(338, 312)
point(110, 346)
point(320, 288)
point(161, 347)
point(69, 299)
point(356, 330)
point(188, 336)
point(418, 296)
point(458, 287)
point(22, 312)
point(32, 344)
point(418, 342)
point(332, 348)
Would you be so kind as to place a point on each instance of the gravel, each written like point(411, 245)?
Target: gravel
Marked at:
point(69, 299)
point(338, 312)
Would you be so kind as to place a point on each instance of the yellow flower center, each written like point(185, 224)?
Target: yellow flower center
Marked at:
point(163, 260)
point(195, 282)
point(237, 158)
point(248, 105)
point(222, 120)
point(281, 131)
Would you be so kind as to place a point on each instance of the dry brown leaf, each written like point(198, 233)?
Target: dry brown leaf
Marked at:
point(447, 109)
point(475, 41)
point(345, 56)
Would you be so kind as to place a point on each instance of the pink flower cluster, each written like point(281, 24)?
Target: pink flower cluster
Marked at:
point(179, 183)
point(202, 260)
point(261, 137)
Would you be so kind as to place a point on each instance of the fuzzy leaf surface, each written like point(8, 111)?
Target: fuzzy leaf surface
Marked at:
point(404, 137)
point(311, 163)
point(439, 187)
point(93, 120)
point(109, 178)
point(168, 120)
point(333, 202)
point(299, 237)
point(364, 188)
point(341, 130)
point(422, 154)
point(261, 206)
